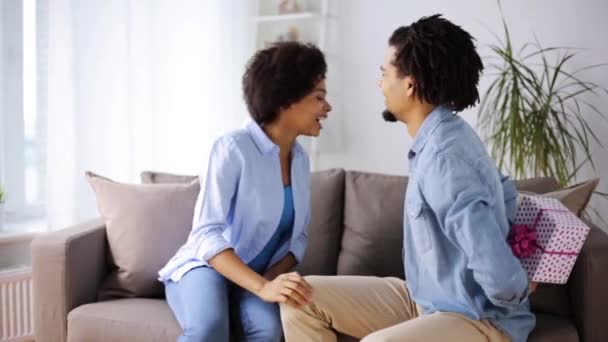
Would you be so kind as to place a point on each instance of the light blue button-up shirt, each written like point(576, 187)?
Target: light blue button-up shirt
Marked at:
point(457, 212)
point(241, 202)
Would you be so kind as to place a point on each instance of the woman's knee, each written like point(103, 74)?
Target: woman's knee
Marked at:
point(269, 329)
point(212, 329)
point(263, 323)
point(203, 315)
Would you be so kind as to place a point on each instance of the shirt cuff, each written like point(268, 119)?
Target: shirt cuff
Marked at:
point(212, 245)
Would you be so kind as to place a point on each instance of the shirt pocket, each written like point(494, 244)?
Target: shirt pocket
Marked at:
point(419, 224)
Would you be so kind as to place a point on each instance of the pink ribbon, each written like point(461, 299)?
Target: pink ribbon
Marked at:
point(523, 238)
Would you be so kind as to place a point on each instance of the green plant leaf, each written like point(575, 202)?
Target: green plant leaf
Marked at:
point(534, 114)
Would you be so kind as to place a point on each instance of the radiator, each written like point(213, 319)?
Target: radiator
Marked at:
point(16, 309)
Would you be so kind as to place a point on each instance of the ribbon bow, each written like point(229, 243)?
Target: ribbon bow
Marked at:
point(523, 240)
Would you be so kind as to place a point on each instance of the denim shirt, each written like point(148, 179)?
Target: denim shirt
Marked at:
point(457, 212)
point(241, 202)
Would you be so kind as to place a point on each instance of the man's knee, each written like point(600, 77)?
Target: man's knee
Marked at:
point(289, 313)
point(380, 336)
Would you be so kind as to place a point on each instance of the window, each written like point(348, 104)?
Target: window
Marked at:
point(22, 147)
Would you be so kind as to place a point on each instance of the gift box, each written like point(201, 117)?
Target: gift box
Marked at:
point(547, 238)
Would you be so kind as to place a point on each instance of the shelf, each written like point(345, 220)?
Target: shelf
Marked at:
point(287, 17)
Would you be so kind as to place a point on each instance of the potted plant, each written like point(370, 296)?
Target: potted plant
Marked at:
point(536, 112)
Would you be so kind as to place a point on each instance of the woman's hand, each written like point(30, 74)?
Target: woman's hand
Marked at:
point(288, 288)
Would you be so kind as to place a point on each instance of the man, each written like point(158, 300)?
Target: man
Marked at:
point(463, 282)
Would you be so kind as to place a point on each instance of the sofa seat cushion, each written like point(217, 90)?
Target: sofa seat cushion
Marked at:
point(133, 320)
point(138, 319)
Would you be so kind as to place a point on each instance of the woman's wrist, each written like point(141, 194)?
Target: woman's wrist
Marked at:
point(260, 283)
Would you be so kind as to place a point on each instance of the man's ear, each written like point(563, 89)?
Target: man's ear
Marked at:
point(410, 85)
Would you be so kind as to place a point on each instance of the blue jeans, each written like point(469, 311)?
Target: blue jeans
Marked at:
point(208, 307)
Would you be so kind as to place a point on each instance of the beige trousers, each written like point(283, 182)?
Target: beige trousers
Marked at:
point(376, 309)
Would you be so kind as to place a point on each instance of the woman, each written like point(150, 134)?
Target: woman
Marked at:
point(251, 217)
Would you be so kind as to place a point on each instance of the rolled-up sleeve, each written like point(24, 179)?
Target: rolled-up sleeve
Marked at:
point(218, 187)
point(464, 204)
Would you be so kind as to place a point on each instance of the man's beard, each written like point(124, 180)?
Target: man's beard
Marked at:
point(388, 116)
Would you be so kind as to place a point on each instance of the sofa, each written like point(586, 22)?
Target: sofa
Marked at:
point(355, 229)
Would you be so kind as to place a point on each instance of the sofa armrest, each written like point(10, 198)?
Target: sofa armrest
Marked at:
point(67, 267)
point(589, 288)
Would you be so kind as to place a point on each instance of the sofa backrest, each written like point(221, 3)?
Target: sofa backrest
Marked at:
point(356, 227)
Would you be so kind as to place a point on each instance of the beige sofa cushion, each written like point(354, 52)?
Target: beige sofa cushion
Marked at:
point(146, 224)
point(133, 320)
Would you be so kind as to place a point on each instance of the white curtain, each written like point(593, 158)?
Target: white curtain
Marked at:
point(137, 85)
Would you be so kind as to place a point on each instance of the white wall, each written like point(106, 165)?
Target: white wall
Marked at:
point(11, 128)
point(369, 144)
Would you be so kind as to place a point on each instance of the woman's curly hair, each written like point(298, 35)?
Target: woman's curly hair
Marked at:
point(279, 76)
